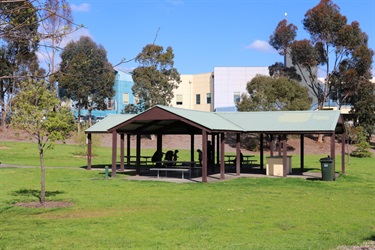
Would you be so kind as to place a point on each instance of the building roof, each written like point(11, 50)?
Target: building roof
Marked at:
point(169, 120)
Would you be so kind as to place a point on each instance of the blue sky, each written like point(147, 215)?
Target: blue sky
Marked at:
point(203, 34)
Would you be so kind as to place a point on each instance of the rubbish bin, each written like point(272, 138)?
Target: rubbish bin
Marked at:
point(328, 171)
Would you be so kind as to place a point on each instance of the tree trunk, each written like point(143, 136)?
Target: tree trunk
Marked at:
point(2, 102)
point(90, 115)
point(79, 116)
point(42, 198)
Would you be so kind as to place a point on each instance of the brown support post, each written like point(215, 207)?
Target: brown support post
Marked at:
point(159, 142)
point(89, 151)
point(204, 156)
point(114, 153)
point(138, 155)
point(213, 151)
point(128, 149)
point(261, 156)
point(272, 144)
point(343, 139)
point(192, 147)
point(285, 154)
point(222, 163)
point(122, 149)
point(279, 144)
point(218, 151)
point(333, 153)
point(159, 146)
point(238, 153)
point(302, 153)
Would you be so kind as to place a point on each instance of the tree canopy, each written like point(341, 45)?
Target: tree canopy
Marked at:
point(154, 79)
point(85, 75)
point(270, 94)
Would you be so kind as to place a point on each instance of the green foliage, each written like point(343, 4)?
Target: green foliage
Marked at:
point(364, 107)
point(279, 70)
point(362, 144)
point(267, 94)
point(154, 79)
point(283, 36)
point(36, 111)
point(85, 74)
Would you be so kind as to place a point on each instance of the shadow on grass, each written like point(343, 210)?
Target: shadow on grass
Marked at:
point(35, 193)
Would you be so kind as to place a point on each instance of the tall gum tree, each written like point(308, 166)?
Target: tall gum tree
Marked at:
point(333, 46)
point(154, 79)
point(85, 75)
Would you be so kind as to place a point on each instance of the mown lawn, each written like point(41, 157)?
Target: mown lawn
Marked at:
point(244, 213)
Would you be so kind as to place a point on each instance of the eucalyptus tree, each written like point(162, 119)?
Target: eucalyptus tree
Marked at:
point(37, 113)
point(339, 49)
point(265, 93)
point(85, 75)
point(154, 79)
point(332, 42)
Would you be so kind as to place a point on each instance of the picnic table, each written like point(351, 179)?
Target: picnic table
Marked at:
point(146, 159)
point(175, 166)
point(247, 159)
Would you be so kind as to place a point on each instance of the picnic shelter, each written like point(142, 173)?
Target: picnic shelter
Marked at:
point(270, 125)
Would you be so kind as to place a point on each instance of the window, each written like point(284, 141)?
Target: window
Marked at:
point(178, 99)
point(236, 97)
point(208, 98)
point(109, 104)
point(125, 98)
point(197, 99)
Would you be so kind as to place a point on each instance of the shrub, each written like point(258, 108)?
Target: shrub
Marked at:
point(362, 144)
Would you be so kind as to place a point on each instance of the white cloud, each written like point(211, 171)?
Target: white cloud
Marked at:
point(75, 36)
point(84, 7)
point(261, 46)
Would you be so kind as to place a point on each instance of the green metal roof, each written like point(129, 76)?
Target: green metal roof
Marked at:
point(285, 121)
point(267, 122)
point(108, 122)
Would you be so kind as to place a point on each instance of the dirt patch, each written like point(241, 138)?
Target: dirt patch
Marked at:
point(370, 245)
point(47, 204)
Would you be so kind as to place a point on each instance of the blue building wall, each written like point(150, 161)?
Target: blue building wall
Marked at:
point(123, 86)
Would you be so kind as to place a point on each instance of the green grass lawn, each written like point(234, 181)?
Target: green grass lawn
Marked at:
point(243, 213)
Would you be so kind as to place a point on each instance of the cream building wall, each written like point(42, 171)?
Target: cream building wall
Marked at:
point(194, 92)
